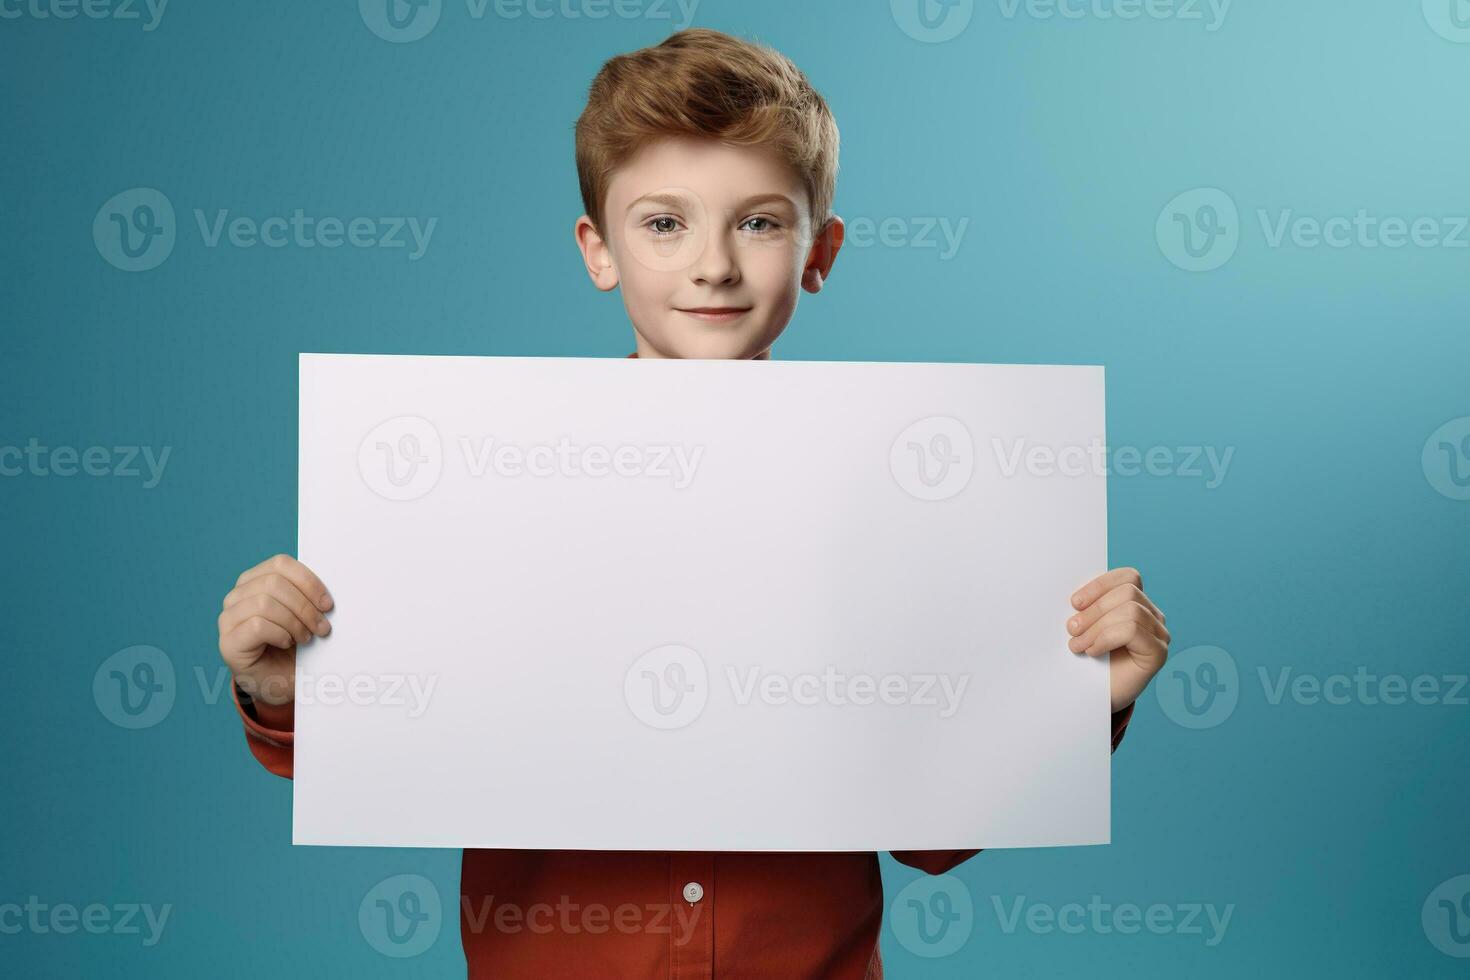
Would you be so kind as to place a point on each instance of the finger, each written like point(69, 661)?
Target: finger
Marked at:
point(1146, 652)
point(1109, 601)
point(243, 645)
point(1128, 613)
point(1099, 586)
point(284, 590)
point(1134, 613)
point(301, 576)
point(1127, 636)
point(267, 607)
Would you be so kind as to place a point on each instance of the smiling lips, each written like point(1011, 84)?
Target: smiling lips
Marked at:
point(716, 314)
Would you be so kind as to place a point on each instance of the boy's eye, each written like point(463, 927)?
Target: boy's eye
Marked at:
point(760, 224)
point(664, 225)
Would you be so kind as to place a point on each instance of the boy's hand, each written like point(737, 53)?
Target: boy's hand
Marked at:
point(273, 608)
point(1115, 617)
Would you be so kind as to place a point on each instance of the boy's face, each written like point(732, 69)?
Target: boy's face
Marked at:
point(711, 244)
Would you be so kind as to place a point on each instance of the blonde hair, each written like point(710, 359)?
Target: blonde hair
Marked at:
point(704, 83)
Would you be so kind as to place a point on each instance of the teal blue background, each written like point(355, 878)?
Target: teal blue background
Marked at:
point(1325, 548)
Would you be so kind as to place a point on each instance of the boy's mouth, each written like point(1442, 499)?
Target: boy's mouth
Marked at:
point(715, 314)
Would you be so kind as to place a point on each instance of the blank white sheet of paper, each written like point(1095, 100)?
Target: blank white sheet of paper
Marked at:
point(599, 603)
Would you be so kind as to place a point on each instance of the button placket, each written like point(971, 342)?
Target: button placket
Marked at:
point(691, 936)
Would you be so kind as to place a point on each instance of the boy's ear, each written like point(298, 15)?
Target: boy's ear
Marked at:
point(595, 254)
point(825, 246)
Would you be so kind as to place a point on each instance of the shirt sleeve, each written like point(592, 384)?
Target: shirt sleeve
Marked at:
point(272, 748)
point(938, 862)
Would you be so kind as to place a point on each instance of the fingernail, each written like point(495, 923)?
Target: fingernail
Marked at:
point(322, 627)
point(1077, 600)
point(1072, 625)
point(325, 601)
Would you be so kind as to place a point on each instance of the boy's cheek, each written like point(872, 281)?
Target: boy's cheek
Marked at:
point(772, 272)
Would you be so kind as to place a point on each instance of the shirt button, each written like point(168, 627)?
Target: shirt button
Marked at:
point(693, 892)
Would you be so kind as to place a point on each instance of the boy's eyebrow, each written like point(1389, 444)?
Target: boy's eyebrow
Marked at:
point(666, 199)
point(767, 199)
point(679, 200)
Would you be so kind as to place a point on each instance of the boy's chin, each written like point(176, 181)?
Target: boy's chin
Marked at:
point(734, 346)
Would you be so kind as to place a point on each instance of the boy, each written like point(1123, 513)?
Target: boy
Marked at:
point(707, 169)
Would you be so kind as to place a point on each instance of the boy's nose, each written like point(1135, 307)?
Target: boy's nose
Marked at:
point(716, 265)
